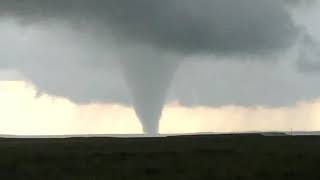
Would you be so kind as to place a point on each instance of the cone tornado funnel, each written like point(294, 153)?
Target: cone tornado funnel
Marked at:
point(149, 81)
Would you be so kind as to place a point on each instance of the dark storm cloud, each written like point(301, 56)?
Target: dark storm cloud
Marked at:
point(184, 26)
point(308, 61)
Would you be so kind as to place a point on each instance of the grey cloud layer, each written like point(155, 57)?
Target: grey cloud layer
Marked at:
point(184, 26)
point(75, 67)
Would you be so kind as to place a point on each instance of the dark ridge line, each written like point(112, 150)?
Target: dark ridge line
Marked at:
point(138, 136)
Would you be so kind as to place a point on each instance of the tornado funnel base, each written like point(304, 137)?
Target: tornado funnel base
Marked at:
point(151, 129)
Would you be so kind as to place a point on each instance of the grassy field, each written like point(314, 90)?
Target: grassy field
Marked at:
point(185, 157)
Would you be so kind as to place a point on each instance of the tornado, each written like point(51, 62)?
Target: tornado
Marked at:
point(149, 79)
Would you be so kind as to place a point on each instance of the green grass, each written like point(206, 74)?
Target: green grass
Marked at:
point(186, 157)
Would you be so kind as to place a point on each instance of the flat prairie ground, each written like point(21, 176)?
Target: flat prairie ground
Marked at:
point(246, 156)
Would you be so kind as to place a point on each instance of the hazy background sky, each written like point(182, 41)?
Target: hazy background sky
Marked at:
point(243, 66)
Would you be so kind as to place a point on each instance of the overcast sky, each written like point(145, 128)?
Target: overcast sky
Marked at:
point(220, 53)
